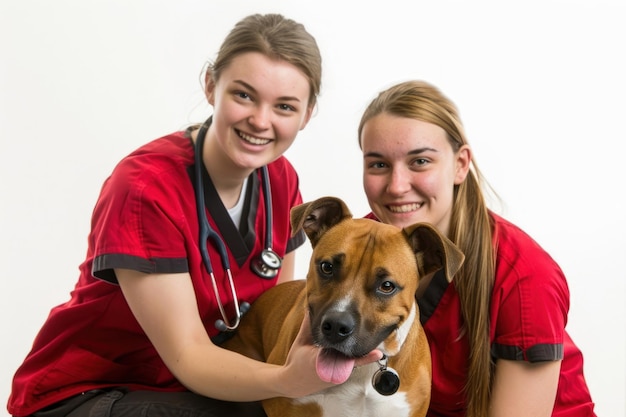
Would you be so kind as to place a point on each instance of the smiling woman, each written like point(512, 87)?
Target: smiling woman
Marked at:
point(107, 348)
point(497, 331)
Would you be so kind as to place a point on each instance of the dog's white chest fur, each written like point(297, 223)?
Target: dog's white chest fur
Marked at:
point(358, 398)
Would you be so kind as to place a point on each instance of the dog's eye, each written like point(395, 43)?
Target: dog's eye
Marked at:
point(326, 268)
point(387, 287)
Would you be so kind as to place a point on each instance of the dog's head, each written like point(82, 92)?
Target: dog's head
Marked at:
point(363, 276)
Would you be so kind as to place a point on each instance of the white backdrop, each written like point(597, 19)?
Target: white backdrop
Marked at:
point(540, 86)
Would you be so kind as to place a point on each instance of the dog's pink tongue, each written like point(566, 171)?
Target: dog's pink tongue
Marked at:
point(333, 367)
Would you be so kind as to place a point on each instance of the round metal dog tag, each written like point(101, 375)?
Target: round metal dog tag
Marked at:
point(386, 381)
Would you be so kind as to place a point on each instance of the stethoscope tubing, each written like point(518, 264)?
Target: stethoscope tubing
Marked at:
point(266, 270)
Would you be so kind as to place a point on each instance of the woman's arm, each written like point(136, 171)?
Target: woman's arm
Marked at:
point(165, 306)
point(524, 389)
point(288, 267)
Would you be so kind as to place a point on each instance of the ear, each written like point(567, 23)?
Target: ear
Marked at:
point(307, 116)
point(209, 87)
point(433, 250)
point(318, 216)
point(463, 160)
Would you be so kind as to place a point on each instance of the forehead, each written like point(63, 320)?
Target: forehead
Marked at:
point(395, 134)
point(266, 74)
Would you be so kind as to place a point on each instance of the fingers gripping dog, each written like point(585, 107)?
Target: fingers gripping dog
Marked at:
point(360, 293)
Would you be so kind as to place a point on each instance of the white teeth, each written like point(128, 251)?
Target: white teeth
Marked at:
point(404, 208)
point(253, 140)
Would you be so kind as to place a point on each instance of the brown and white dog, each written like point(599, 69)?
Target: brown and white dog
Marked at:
point(360, 293)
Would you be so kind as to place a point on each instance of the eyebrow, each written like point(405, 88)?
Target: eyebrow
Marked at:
point(249, 87)
point(417, 151)
point(421, 150)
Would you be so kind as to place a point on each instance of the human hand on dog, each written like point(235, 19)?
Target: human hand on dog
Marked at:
point(315, 368)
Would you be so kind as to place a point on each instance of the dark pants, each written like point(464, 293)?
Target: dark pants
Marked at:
point(118, 403)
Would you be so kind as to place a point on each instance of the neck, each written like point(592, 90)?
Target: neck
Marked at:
point(226, 177)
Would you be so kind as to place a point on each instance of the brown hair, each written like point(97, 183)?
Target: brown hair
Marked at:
point(470, 229)
point(276, 37)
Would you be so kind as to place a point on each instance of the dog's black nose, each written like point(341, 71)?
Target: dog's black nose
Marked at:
point(337, 326)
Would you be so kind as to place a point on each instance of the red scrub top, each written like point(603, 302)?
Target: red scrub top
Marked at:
point(529, 307)
point(145, 219)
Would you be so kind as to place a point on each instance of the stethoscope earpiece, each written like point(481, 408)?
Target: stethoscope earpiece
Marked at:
point(223, 327)
point(244, 307)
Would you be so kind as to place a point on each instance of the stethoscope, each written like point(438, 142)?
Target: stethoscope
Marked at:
point(266, 266)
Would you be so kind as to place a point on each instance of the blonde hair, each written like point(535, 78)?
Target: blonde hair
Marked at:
point(470, 230)
point(278, 38)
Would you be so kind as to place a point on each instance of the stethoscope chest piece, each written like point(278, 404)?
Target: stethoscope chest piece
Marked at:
point(267, 265)
point(385, 381)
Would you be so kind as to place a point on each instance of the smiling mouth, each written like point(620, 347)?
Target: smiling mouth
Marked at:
point(404, 208)
point(252, 140)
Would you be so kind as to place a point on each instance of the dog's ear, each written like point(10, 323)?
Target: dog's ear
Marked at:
point(433, 250)
point(316, 217)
